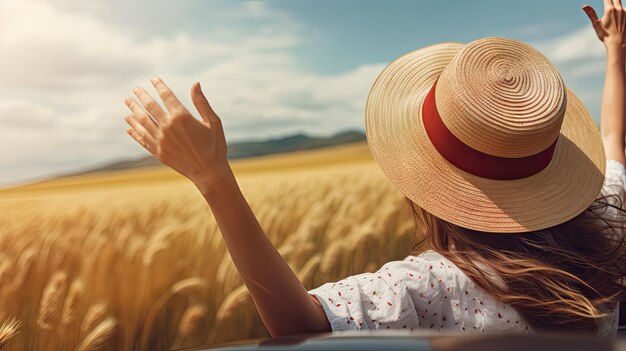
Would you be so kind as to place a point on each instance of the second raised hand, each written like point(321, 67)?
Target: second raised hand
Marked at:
point(611, 28)
point(194, 148)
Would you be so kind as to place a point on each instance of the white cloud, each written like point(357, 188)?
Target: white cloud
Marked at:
point(25, 115)
point(582, 44)
point(65, 71)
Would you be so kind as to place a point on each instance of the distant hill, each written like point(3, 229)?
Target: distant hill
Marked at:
point(246, 149)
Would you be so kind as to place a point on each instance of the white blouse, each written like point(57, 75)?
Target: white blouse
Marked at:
point(429, 292)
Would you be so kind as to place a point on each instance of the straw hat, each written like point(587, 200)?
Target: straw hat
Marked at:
point(485, 135)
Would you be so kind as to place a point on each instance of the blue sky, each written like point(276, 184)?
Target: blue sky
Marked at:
point(379, 31)
point(270, 68)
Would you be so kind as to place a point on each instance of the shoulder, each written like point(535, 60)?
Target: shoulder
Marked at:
point(428, 277)
point(426, 291)
point(431, 262)
point(437, 270)
point(428, 262)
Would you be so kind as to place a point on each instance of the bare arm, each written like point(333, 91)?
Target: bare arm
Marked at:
point(612, 115)
point(610, 30)
point(197, 150)
point(282, 301)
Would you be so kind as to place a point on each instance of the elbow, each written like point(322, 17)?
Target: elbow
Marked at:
point(310, 320)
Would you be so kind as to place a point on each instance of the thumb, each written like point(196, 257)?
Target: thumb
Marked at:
point(201, 102)
point(591, 13)
point(595, 22)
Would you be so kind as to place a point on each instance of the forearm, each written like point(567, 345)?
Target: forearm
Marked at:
point(614, 105)
point(281, 299)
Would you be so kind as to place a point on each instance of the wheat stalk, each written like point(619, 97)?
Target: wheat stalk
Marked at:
point(51, 300)
point(190, 320)
point(24, 262)
point(5, 265)
point(181, 287)
point(152, 250)
point(309, 269)
point(9, 328)
point(98, 336)
point(186, 286)
point(332, 257)
point(231, 302)
point(95, 314)
point(72, 301)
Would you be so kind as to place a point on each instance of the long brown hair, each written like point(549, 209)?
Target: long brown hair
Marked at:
point(561, 278)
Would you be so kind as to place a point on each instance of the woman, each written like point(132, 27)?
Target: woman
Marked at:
point(503, 167)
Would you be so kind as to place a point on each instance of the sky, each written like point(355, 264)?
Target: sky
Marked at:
point(269, 68)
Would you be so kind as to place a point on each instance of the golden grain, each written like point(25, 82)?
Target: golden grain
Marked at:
point(140, 249)
point(230, 303)
point(94, 315)
point(190, 320)
point(72, 301)
point(8, 329)
point(98, 336)
point(51, 300)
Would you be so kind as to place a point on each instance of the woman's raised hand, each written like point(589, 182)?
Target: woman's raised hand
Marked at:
point(194, 148)
point(610, 28)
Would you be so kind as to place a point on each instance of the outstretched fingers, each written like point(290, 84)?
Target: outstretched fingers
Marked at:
point(140, 134)
point(169, 99)
point(142, 117)
point(150, 104)
point(618, 14)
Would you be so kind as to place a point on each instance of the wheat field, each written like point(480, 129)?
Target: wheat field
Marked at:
point(133, 260)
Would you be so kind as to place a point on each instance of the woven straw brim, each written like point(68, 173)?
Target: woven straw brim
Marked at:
point(401, 147)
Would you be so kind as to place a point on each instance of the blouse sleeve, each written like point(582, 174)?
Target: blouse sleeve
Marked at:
point(614, 184)
point(370, 300)
point(614, 178)
point(419, 292)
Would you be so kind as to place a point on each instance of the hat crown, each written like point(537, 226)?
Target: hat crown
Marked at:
point(502, 97)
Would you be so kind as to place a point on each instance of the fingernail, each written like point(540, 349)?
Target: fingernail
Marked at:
point(154, 79)
point(127, 101)
point(136, 90)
